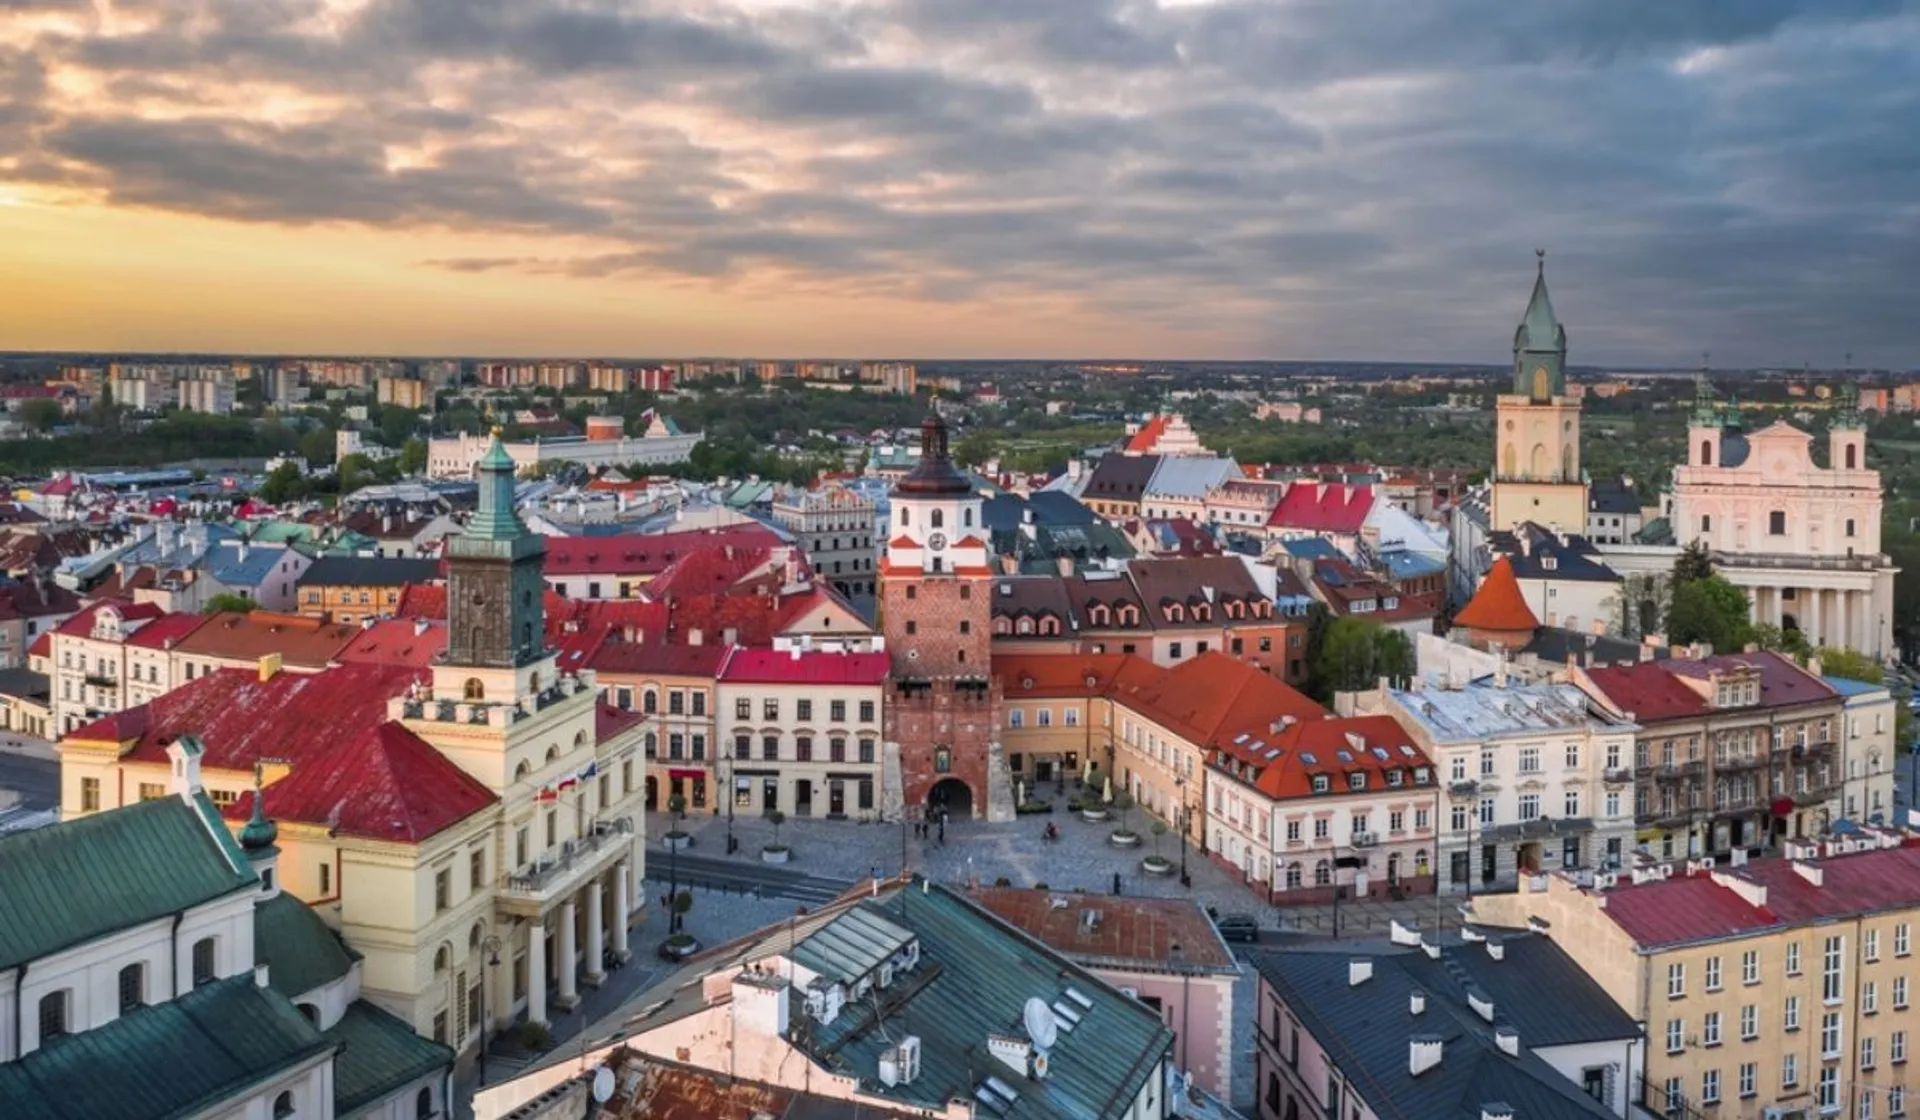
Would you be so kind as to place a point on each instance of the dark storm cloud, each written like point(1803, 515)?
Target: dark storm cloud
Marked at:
point(1281, 177)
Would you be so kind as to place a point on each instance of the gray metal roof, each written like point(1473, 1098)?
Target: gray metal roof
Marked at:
point(1483, 709)
point(851, 946)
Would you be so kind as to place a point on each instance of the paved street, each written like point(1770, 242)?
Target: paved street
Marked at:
point(29, 781)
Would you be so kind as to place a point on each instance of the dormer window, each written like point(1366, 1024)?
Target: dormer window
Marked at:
point(1550, 563)
point(1356, 781)
point(1320, 783)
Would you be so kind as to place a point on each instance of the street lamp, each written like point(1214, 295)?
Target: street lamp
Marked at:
point(490, 945)
point(728, 793)
point(677, 809)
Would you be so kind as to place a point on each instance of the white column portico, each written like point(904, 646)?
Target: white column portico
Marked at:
point(569, 994)
point(536, 972)
point(622, 908)
point(596, 933)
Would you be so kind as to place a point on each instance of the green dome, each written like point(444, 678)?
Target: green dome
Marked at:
point(259, 833)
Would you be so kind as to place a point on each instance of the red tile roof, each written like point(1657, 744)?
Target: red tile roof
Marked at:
point(302, 641)
point(384, 784)
point(1648, 691)
point(166, 631)
point(81, 625)
point(1694, 907)
point(609, 721)
point(1782, 681)
point(42, 646)
point(1213, 697)
point(619, 658)
point(635, 554)
point(1142, 934)
point(711, 571)
point(1499, 606)
point(416, 643)
point(1045, 676)
point(242, 718)
point(1322, 747)
point(1148, 437)
point(1323, 507)
point(767, 666)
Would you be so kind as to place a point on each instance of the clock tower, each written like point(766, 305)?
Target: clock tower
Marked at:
point(1537, 475)
point(936, 587)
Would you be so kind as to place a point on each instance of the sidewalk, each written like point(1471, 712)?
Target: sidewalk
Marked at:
point(975, 851)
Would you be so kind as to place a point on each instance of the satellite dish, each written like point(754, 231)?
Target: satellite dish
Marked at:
point(602, 1085)
point(1041, 1027)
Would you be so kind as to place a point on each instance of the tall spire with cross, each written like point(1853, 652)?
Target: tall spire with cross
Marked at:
point(1540, 343)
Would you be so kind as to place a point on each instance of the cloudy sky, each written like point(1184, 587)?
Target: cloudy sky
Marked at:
point(1337, 179)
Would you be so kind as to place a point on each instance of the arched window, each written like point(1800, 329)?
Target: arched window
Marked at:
point(1706, 523)
point(966, 515)
point(474, 689)
point(937, 519)
point(203, 962)
point(423, 1104)
point(283, 1105)
point(906, 515)
point(1293, 876)
point(1706, 453)
point(1024, 626)
point(474, 935)
point(310, 1013)
point(133, 987)
point(1852, 457)
point(1322, 874)
point(53, 1015)
point(553, 753)
point(521, 771)
point(441, 958)
point(1002, 626)
point(650, 702)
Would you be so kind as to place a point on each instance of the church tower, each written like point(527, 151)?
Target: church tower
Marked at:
point(1537, 474)
point(496, 635)
point(935, 611)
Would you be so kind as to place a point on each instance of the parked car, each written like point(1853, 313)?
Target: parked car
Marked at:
point(1238, 927)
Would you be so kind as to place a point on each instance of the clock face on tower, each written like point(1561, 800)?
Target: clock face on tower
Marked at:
point(937, 541)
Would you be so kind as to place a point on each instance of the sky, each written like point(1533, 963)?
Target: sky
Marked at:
point(1281, 179)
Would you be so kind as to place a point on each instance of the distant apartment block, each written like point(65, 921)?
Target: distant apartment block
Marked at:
point(404, 392)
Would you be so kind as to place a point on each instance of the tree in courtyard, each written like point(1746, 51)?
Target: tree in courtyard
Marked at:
point(1710, 610)
point(228, 601)
point(1354, 654)
point(1851, 664)
point(1692, 564)
point(41, 414)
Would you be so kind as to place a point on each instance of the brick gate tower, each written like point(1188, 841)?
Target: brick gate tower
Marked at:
point(942, 713)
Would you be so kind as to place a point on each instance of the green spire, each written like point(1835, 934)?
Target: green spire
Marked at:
point(1846, 413)
point(259, 833)
point(1540, 342)
point(496, 519)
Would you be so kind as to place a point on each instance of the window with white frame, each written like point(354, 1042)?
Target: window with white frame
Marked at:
point(1790, 1020)
point(1902, 940)
point(1869, 998)
point(1789, 1072)
point(1529, 806)
point(1710, 1087)
point(1866, 1052)
point(1749, 1079)
point(1529, 760)
point(1710, 1029)
point(1750, 967)
point(1826, 1091)
point(1713, 974)
point(1830, 968)
point(1749, 1022)
point(1899, 993)
point(1676, 1032)
point(1676, 980)
point(1897, 1046)
point(1870, 945)
point(1793, 958)
point(1830, 1034)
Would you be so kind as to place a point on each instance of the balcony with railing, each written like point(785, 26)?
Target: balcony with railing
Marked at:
point(489, 713)
point(531, 891)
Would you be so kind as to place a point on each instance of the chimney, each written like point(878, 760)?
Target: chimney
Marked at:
point(1424, 1052)
point(694, 636)
point(1507, 1039)
point(269, 666)
point(1417, 1002)
point(419, 627)
point(1496, 950)
point(1811, 872)
point(1481, 1003)
point(1496, 1110)
point(1359, 971)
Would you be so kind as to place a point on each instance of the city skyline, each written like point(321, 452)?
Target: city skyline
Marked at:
point(1202, 180)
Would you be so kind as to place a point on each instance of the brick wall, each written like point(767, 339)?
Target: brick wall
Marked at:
point(929, 705)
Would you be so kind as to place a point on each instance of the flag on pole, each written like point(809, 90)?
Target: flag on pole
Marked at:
point(546, 794)
point(568, 782)
point(592, 770)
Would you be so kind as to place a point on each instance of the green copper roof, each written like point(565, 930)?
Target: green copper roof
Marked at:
point(1846, 413)
point(378, 1055)
point(85, 878)
point(259, 833)
point(1540, 329)
point(496, 518)
point(300, 952)
point(175, 1059)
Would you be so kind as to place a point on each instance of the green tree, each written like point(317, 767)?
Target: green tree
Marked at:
point(1851, 664)
point(1354, 654)
point(1710, 610)
point(975, 448)
point(284, 483)
point(397, 424)
point(1791, 642)
point(1693, 563)
point(227, 601)
point(317, 446)
point(413, 457)
point(41, 414)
